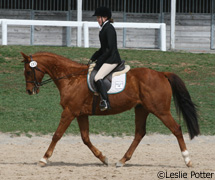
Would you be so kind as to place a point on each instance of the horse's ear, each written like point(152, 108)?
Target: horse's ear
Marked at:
point(25, 57)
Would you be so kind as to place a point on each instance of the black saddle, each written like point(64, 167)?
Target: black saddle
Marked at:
point(107, 79)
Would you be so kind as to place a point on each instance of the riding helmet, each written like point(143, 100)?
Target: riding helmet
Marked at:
point(103, 11)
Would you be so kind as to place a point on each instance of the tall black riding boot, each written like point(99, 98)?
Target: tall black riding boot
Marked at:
point(104, 104)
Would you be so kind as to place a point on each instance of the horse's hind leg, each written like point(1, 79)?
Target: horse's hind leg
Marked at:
point(66, 119)
point(140, 131)
point(83, 123)
point(169, 122)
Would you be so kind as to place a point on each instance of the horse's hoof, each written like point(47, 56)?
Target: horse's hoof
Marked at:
point(189, 164)
point(42, 162)
point(119, 164)
point(106, 161)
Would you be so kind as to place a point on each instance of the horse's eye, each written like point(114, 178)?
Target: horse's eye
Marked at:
point(28, 73)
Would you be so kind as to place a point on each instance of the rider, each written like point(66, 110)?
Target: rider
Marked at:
point(107, 56)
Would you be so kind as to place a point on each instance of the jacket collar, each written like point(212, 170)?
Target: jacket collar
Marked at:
point(106, 22)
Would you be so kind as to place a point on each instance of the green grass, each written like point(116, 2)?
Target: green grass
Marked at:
point(40, 114)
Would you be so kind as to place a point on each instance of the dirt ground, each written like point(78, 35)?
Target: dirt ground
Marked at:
point(158, 156)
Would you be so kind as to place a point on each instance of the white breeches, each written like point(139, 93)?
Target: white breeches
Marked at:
point(104, 71)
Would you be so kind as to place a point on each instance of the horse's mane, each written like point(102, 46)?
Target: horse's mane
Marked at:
point(59, 57)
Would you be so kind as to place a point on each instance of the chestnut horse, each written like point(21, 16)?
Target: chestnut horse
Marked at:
point(148, 91)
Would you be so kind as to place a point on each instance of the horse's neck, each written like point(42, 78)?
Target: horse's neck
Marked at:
point(57, 67)
point(53, 65)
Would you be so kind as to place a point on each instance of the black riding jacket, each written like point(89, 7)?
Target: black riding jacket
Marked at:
point(108, 53)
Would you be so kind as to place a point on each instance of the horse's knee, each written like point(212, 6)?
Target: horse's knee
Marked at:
point(140, 134)
point(144, 133)
point(56, 137)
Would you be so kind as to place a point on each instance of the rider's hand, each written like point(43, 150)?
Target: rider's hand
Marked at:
point(90, 61)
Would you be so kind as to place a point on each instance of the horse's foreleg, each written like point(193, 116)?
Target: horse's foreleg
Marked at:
point(140, 131)
point(168, 120)
point(83, 123)
point(66, 119)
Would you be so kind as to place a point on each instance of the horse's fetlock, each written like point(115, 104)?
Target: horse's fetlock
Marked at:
point(128, 157)
point(100, 156)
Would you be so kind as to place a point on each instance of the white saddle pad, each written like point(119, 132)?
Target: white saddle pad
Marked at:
point(117, 85)
point(118, 80)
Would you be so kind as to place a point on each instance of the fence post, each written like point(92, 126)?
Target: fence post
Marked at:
point(124, 20)
point(86, 35)
point(32, 28)
point(4, 32)
point(173, 13)
point(68, 29)
point(79, 18)
point(163, 37)
point(161, 20)
point(212, 25)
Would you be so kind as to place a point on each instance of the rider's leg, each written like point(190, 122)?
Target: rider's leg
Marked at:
point(103, 71)
point(104, 104)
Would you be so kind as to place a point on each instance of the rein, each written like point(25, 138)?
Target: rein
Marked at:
point(33, 66)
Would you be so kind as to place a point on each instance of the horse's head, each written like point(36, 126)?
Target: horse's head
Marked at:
point(33, 74)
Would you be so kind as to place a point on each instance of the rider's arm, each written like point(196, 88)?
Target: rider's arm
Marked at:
point(96, 55)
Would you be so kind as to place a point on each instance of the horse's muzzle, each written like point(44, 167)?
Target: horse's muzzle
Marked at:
point(35, 90)
point(29, 92)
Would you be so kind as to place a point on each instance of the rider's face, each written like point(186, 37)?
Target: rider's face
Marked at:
point(101, 20)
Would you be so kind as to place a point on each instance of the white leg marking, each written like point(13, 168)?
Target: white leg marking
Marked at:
point(43, 160)
point(119, 164)
point(185, 155)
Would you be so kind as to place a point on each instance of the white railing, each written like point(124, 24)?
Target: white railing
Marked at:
point(161, 26)
point(86, 25)
point(6, 22)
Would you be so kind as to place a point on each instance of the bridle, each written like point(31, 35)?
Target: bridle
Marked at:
point(33, 66)
point(37, 84)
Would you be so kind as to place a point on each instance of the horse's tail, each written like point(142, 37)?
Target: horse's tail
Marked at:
point(184, 104)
